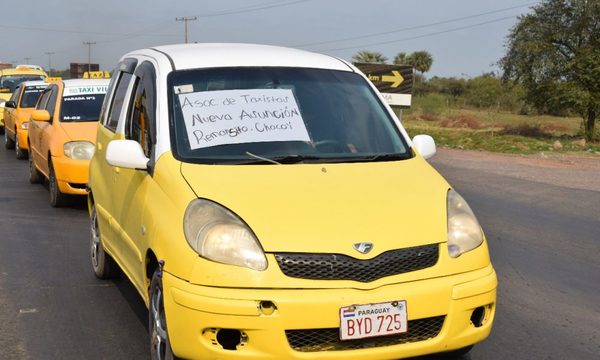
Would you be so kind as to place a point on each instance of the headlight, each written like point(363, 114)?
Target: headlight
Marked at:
point(2, 101)
point(464, 232)
point(217, 234)
point(79, 150)
point(24, 125)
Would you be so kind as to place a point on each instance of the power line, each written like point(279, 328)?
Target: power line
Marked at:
point(414, 27)
point(424, 35)
point(76, 31)
point(252, 8)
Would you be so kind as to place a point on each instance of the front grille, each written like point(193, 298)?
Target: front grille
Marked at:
point(329, 339)
point(343, 267)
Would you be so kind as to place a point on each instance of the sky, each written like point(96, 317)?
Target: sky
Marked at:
point(465, 37)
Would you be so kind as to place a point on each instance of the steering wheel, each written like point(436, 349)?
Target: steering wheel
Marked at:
point(331, 142)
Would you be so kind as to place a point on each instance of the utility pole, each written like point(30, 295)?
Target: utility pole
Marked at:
point(26, 60)
point(185, 20)
point(49, 53)
point(89, 44)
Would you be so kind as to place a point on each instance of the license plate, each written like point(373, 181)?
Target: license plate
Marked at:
point(370, 320)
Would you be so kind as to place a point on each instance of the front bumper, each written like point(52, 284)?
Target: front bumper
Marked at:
point(22, 135)
point(71, 175)
point(196, 313)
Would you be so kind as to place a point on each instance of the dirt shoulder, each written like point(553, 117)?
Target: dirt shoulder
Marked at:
point(572, 171)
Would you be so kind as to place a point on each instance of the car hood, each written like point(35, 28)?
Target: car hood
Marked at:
point(329, 207)
point(80, 131)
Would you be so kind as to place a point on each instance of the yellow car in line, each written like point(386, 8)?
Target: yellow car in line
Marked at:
point(62, 136)
point(11, 78)
point(17, 111)
point(267, 204)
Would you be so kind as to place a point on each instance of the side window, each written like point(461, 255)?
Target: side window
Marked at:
point(108, 96)
point(141, 119)
point(43, 100)
point(52, 100)
point(16, 94)
point(118, 101)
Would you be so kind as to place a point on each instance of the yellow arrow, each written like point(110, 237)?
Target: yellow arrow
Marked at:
point(396, 79)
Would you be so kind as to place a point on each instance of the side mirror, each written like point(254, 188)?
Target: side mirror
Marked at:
point(10, 104)
point(424, 145)
point(126, 154)
point(40, 115)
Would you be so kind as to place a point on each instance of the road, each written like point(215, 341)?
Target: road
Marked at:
point(544, 242)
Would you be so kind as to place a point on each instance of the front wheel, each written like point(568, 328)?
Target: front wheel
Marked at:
point(21, 154)
point(104, 266)
point(57, 198)
point(8, 142)
point(34, 175)
point(160, 347)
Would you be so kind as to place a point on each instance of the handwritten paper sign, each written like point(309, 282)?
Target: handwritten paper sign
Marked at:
point(83, 90)
point(241, 116)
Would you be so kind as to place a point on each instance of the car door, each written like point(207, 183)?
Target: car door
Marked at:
point(103, 176)
point(133, 185)
point(10, 114)
point(36, 129)
point(48, 129)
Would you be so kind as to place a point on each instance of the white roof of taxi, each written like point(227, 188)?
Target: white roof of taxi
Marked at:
point(34, 83)
point(192, 56)
point(85, 82)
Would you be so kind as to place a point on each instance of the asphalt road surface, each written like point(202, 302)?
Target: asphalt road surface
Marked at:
point(544, 242)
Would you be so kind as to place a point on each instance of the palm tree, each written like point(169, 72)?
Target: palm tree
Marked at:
point(400, 59)
point(420, 60)
point(365, 56)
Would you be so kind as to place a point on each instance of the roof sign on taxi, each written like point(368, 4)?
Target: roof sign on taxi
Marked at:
point(85, 90)
point(96, 75)
point(241, 116)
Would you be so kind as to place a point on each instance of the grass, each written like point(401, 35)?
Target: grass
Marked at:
point(501, 132)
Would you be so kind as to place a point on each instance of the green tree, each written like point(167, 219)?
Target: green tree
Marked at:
point(365, 56)
point(400, 59)
point(484, 91)
point(420, 60)
point(554, 52)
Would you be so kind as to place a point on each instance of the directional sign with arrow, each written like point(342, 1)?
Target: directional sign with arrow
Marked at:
point(393, 81)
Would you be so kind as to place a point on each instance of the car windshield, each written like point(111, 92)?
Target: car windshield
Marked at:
point(30, 95)
point(79, 108)
point(12, 81)
point(279, 115)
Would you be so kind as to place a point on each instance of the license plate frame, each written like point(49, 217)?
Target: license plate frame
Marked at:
point(361, 321)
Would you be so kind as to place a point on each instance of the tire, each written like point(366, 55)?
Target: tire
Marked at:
point(34, 175)
point(8, 143)
point(1, 129)
point(21, 154)
point(104, 266)
point(160, 346)
point(57, 198)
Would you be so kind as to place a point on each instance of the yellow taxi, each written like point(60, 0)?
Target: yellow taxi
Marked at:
point(17, 111)
point(11, 78)
point(62, 134)
point(266, 203)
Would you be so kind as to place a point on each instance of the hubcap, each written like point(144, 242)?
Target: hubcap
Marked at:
point(159, 329)
point(95, 243)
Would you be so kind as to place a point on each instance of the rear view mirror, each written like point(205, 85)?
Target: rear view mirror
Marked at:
point(40, 115)
point(126, 154)
point(425, 145)
point(10, 104)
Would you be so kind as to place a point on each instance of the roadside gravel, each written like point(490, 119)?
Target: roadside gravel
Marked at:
point(571, 171)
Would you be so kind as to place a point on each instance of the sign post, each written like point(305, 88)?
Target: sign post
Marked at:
point(394, 82)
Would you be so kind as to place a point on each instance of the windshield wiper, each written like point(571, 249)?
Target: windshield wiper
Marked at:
point(388, 157)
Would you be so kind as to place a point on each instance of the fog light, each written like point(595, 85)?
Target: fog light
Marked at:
point(267, 307)
point(478, 316)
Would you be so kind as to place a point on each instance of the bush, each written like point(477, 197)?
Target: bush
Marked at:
point(432, 104)
point(533, 131)
point(462, 121)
